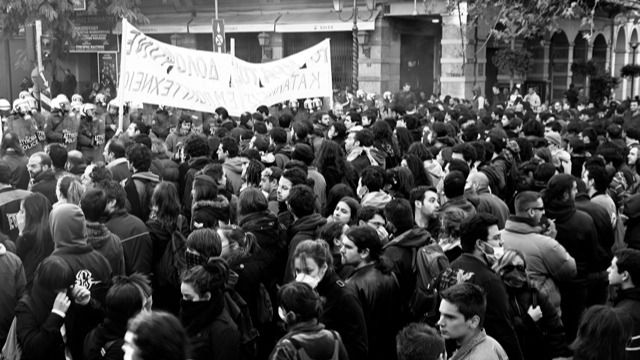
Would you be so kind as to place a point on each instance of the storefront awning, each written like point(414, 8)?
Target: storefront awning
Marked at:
point(202, 23)
point(321, 21)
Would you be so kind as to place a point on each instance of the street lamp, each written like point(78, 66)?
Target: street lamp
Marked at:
point(634, 45)
point(265, 44)
point(337, 7)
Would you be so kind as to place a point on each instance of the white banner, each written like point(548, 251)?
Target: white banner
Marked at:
point(157, 73)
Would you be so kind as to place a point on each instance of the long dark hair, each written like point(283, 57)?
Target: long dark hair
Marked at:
point(36, 224)
point(602, 334)
point(420, 177)
point(52, 275)
point(165, 204)
point(330, 155)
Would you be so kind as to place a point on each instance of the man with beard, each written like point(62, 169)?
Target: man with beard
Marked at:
point(43, 179)
point(91, 134)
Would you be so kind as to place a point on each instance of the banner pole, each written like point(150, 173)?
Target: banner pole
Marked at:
point(120, 95)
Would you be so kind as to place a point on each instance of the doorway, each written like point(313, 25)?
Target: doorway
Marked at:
point(417, 60)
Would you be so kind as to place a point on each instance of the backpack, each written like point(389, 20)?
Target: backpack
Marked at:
point(429, 262)
point(239, 312)
point(11, 349)
point(301, 353)
point(173, 262)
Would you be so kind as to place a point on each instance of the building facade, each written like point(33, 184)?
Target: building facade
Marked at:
point(422, 43)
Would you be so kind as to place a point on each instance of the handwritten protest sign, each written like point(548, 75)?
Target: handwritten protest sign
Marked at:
point(157, 73)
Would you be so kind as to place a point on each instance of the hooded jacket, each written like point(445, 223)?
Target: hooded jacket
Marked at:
point(547, 261)
point(486, 202)
point(91, 269)
point(400, 250)
point(45, 183)
point(108, 244)
point(577, 233)
point(233, 169)
point(377, 199)
point(207, 213)
point(304, 228)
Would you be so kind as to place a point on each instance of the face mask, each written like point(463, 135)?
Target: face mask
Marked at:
point(515, 278)
point(282, 314)
point(493, 254)
point(362, 191)
point(192, 259)
point(20, 219)
point(308, 279)
point(383, 234)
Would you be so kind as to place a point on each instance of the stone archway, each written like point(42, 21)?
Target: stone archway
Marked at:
point(599, 52)
point(620, 54)
point(580, 55)
point(559, 64)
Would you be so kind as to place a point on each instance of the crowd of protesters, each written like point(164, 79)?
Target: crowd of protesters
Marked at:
point(293, 232)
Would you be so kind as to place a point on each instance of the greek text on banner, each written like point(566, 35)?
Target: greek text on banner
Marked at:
point(157, 73)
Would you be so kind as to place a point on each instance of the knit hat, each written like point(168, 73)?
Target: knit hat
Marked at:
point(68, 226)
point(304, 153)
point(553, 138)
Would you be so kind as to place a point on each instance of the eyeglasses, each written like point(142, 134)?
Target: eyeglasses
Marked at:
point(537, 208)
point(510, 268)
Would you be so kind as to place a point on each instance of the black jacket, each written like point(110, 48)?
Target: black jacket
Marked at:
point(136, 242)
point(378, 293)
point(401, 251)
point(540, 340)
point(93, 272)
point(602, 222)
point(577, 233)
point(305, 228)
point(342, 312)
point(107, 337)
point(627, 303)
point(498, 323)
point(632, 210)
point(45, 183)
point(316, 341)
point(38, 331)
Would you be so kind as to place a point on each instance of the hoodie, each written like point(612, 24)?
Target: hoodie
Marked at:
point(91, 269)
point(207, 213)
point(13, 283)
point(108, 244)
point(377, 199)
point(233, 169)
point(400, 250)
point(304, 228)
point(577, 233)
